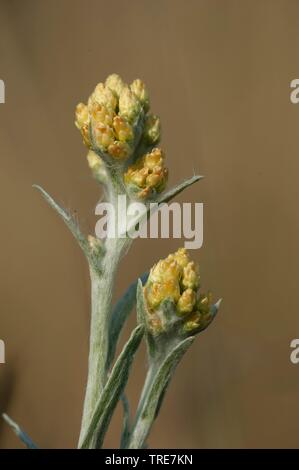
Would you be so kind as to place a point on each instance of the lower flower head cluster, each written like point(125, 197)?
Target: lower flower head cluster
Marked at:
point(173, 298)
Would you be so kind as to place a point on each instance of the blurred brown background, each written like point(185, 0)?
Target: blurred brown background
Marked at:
point(219, 75)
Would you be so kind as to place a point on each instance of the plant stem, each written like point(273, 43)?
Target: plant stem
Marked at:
point(101, 297)
point(142, 425)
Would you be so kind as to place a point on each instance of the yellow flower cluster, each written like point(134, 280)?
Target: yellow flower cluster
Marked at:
point(176, 280)
point(148, 175)
point(108, 122)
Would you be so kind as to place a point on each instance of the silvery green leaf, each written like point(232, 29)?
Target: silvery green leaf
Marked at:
point(158, 379)
point(112, 392)
point(126, 422)
point(120, 313)
point(71, 224)
point(215, 308)
point(19, 432)
point(166, 197)
point(142, 315)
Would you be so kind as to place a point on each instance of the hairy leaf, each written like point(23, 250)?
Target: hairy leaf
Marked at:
point(159, 380)
point(71, 224)
point(112, 392)
point(166, 197)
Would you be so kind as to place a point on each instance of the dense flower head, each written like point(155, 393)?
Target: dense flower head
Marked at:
point(116, 119)
point(148, 176)
point(173, 299)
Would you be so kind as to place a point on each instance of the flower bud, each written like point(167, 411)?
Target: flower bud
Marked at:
point(165, 270)
point(153, 159)
point(181, 256)
point(82, 117)
point(122, 129)
point(148, 176)
point(160, 291)
point(129, 105)
point(119, 150)
point(152, 129)
point(115, 83)
point(191, 276)
point(201, 318)
point(82, 122)
point(99, 114)
point(186, 302)
point(103, 136)
point(105, 96)
point(138, 87)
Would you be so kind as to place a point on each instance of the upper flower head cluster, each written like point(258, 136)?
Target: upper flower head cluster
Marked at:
point(116, 117)
point(117, 126)
point(173, 299)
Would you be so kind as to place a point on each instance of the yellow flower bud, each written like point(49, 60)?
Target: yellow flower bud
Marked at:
point(148, 175)
point(191, 278)
point(123, 130)
point(86, 136)
point(129, 105)
point(119, 150)
point(186, 302)
point(138, 87)
point(157, 292)
point(82, 117)
point(181, 256)
point(100, 114)
point(103, 95)
point(115, 83)
point(165, 270)
point(152, 129)
point(193, 323)
point(154, 159)
point(82, 122)
point(103, 136)
point(138, 177)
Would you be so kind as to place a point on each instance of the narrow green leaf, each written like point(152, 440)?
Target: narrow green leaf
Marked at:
point(112, 392)
point(159, 381)
point(120, 314)
point(166, 197)
point(19, 432)
point(71, 224)
point(142, 319)
point(215, 308)
point(126, 423)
